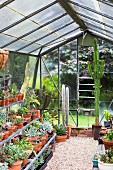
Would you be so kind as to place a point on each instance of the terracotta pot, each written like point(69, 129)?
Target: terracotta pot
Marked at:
point(107, 144)
point(20, 96)
point(15, 128)
point(7, 101)
point(16, 165)
point(9, 169)
point(37, 112)
point(1, 136)
point(30, 139)
point(61, 138)
point(19, 125)
point(34, 116)
point(43, 141)
point(68, 131)
point(11, 130)
point(6, 134)
point(25, 161)
point(27, 115)
point(37, 146)
point(15, 98)
point(1, 103)
point(28, 119)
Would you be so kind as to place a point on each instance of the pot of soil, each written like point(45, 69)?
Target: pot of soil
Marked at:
point(19, 125)
point(25, 161)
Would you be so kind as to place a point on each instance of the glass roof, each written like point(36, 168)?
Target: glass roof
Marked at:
point(28, 26)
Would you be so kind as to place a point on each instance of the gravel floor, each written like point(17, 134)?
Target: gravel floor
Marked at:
point(74, 154)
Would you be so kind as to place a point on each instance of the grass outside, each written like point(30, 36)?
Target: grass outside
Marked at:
point(82, 120)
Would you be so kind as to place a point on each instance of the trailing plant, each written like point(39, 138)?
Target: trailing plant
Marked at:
point(107, 115)
point(96, 69)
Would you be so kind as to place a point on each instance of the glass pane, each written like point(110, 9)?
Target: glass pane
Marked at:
point(72, 34)
point(35, 52)
point(68, 28)
point(4, 39)
point(16, 45)
point(48, 39)
point(27, 7)
point(22, 28)
point(48, 14)
point(8, 17)
point(37, 34)
point(60, 22)
point(2, 1)
point(30, 48)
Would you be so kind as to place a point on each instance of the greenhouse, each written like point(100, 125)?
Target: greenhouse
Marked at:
point(56, 93)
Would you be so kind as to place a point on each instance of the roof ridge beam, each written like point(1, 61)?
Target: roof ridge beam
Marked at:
point(72, 13)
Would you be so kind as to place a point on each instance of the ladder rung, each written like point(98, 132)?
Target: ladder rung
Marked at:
point(86, 84)
point(85, 78)
point(86, 97)
point(85, 109)
point(87, 90)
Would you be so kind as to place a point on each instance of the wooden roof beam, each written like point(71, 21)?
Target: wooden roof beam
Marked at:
point(72, 13)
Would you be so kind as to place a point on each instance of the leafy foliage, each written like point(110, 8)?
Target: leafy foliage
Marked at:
point(107, 157)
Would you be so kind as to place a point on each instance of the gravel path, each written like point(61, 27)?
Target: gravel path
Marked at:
point(74, 154)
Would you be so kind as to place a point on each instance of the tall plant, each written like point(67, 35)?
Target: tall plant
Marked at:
point(96, 69)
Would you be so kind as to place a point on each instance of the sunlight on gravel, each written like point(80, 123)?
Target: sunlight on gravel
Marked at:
point(74, 154)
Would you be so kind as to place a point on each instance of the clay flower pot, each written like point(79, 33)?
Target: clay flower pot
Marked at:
point(1, 136)
point(19, 125)
point(61, 138)
point(16, 165)
point(20, 96)
point(27, 115)
point(11, 130)
point(107, 144)
point(37, 113)
point(6, 134)
point(37, 146)
point(25, 161)
point(27, 119)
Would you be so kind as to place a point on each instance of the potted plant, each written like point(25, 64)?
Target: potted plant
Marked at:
point(106, 160)
point(96, 69)
point(107, 116)
point(37, 145)
point(18, 121)
point(31, 133)
point(15, 156)
point(61, 133)
point(2, 97)
point(24, 111)
point(108, 140)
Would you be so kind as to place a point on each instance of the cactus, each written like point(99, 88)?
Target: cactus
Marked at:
point(96, 69)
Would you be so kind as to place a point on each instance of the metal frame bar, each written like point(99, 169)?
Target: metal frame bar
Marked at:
point(35, 71)
point(58, 85)
point(107, 38)
point(36, 29)
point(55, 39)
point(28, 16)
point(105, 2)
point(72, 13)
point(42, 150)
point(45, 36)
point(93, 19)
point(61, 44)
point(6, 3)
point(90, 9)
point(99, 28)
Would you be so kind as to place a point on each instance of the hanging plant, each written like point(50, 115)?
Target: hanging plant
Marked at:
point(3, 58)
